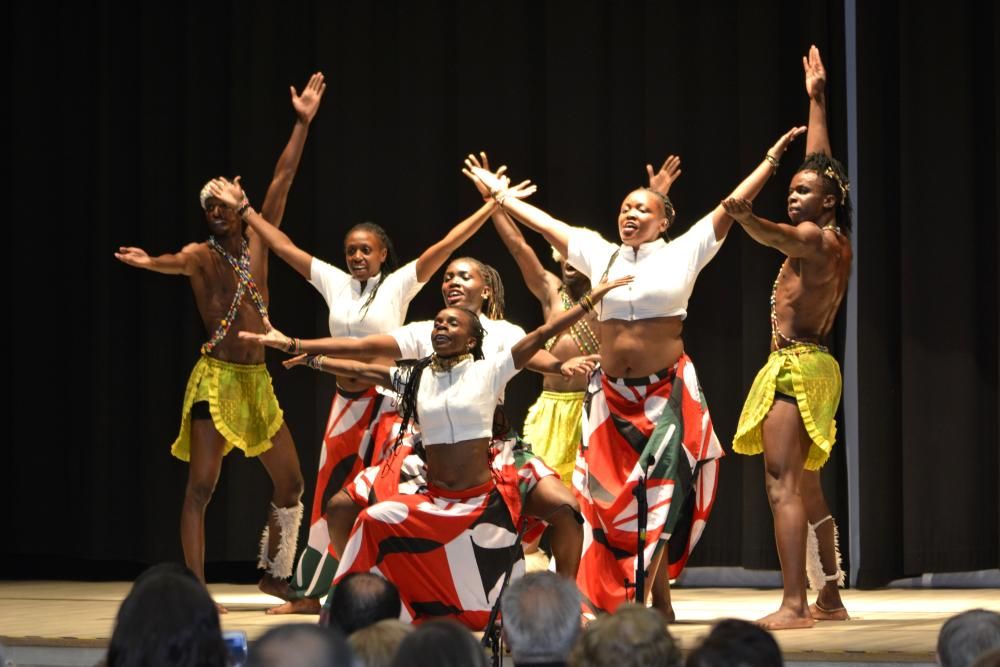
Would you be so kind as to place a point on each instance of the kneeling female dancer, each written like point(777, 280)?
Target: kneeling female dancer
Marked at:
point(447, 546)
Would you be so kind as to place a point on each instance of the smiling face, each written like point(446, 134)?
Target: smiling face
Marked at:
point(452, 334)
point(364, 253)
point(808, 199)
point(641, 218)
point(222, 220)
point(463, 286)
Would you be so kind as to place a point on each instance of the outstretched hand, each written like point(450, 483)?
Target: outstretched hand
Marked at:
point(228, 192)
point(661, 180)
point(482, 162)
point(494, 182)
point(598, 292)
point(815, 73)
point(740, 210)
point(781, 145)
point(307, 104)
point(270, 338)
point(136, 257)
point(579, 365)
point(298, 360)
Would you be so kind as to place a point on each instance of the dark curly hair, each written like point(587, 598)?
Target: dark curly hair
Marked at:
point(835, 182)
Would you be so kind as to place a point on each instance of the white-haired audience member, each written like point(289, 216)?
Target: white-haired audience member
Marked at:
point(966, 636)
point(541, 618)
point(375, 645)
point(634, 636)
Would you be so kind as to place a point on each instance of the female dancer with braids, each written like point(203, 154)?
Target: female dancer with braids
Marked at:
point(645, 417)
point(476, 287)
point(446, 547)
point(372, 298)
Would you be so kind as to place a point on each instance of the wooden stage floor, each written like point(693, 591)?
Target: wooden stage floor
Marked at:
point(889, 625)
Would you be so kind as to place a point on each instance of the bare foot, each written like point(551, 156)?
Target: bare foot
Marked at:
point(824, 614)
point(276, 587)
point(301, 606)
point(785, 619)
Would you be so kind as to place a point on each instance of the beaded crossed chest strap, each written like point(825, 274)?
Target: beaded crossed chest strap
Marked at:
point(244, 283)
point(581, 332)
point(776, 336)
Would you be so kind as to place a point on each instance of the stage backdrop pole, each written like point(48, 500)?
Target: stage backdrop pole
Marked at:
point(851, 435)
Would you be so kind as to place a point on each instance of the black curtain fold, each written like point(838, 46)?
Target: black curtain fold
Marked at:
point(120, 114)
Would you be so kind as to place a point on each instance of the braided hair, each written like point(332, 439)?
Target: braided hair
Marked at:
point(408, 384)
point(493, 306)
point(390, 264)
point(835, 182)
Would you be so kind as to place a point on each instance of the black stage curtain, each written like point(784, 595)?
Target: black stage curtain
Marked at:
point(120, 114)
point(928, 287)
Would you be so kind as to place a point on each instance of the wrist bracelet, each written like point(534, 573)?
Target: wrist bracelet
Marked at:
point(773, 161)
point(316, 362)
point(243, 208)
point(587, 303)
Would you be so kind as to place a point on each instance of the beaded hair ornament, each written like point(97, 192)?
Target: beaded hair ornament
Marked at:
point(842, 183)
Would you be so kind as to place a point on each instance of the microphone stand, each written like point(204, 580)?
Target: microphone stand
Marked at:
point(492, 635)
point(642, 510)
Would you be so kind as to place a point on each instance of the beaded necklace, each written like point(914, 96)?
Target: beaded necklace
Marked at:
point(581, 332)
point(245, 282)
point(775, 329)
point(444, 364)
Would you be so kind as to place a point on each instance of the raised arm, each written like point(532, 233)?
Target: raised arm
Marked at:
point(306, 105)
point(431, 259)
point(346, 368)
point(751, 186)
point(818, 138)
point(526, 348)
point(556, 232)
point(182, 263)
point(543, 284)
point(232, 195)
point(804, 240)
point(662, 180)
point(376, 345)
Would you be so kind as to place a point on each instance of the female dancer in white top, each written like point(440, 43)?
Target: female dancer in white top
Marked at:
point(372, 298)
point(646, 421)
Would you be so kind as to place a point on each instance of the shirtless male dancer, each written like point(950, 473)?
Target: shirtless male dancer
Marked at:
point(229, 400)
point(789, 412)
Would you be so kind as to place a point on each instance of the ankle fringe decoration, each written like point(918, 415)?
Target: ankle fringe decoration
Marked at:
point(288, 519)
point(814, 565)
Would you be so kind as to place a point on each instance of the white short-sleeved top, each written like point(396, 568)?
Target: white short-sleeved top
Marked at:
point(414, 339)
point(345, 298)
point(457, 404)
point(664, 272)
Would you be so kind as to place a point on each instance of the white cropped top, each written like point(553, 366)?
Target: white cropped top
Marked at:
point(414, 340)
point(345, 299)
point(458, 404)
point(664, 272)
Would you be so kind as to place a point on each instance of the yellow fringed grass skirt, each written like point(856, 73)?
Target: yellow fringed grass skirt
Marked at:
point(242, 403)
point(810, 375)
point(554, 427)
